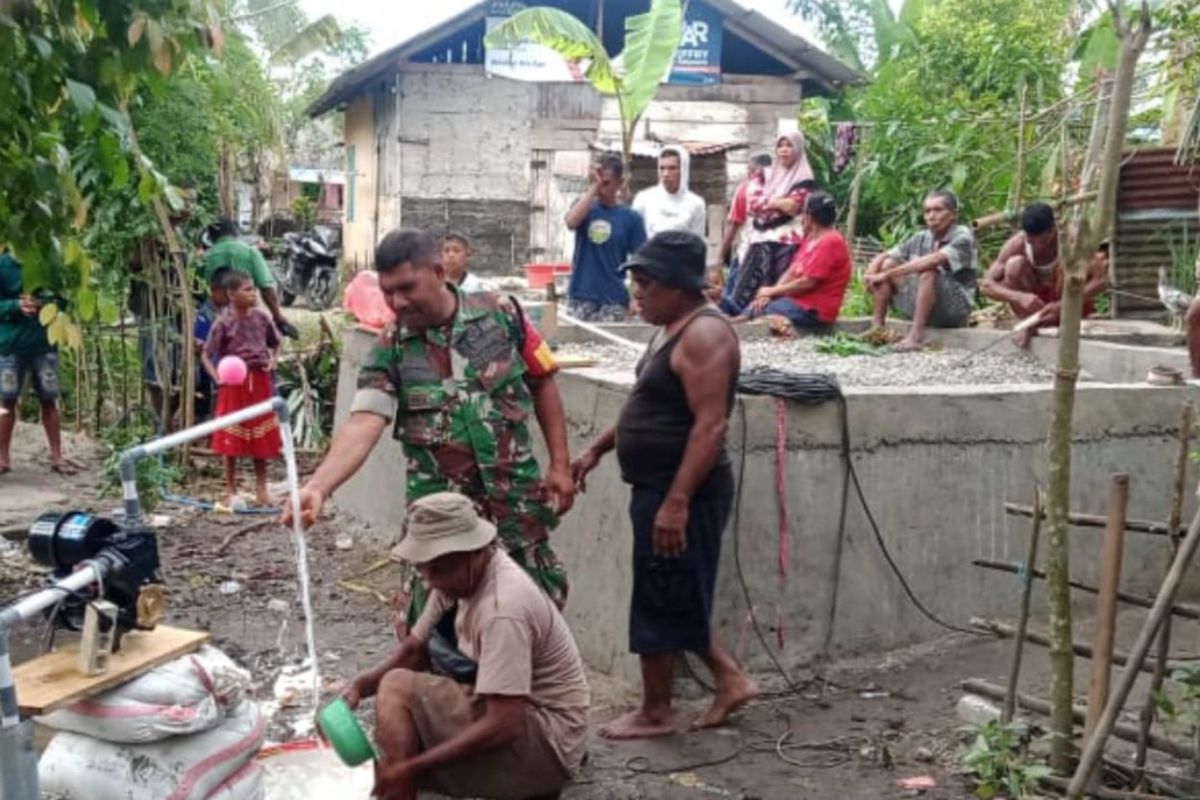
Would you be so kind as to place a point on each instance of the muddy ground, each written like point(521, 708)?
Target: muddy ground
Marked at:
point(872, 723)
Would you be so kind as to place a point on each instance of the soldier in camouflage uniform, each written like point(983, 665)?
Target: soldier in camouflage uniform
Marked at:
point(460, 375)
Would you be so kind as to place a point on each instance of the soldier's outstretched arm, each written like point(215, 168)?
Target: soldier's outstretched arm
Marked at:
point(351, 445)
point(552, 418)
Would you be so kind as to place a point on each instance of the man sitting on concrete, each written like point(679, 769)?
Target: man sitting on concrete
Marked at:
point(931, 277)
point(1028, 273)
point(519, 732)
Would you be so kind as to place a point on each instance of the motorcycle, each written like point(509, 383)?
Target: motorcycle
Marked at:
point(308, 269)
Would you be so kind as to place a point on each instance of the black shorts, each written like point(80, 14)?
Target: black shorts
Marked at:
point(672, 601)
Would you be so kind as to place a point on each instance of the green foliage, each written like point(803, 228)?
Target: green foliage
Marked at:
point(307, 380)
point(1184, 708)
point(155, 476)
point(999, 759)
point(305, 211)
point(857, 302)
point(847, 344)
point(67, 68)
point(651, 40)
point(943, 101)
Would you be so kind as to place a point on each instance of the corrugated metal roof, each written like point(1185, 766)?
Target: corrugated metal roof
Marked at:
point(650, 149)
point(807, 58)
point(1157, 205)
point(1151, 179)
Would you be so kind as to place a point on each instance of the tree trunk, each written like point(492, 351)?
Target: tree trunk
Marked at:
point(1082, 239)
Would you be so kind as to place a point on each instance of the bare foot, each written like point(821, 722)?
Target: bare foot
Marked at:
point(63, 466)
point(640, 725)
point(909, 345)
point(263, 499)
point(730, 697)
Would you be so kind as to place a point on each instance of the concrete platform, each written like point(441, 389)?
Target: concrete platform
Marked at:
point(936, 463)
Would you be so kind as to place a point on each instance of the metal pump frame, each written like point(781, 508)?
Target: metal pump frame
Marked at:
point(18, 759)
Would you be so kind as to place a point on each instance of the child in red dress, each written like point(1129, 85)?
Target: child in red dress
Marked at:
point(245, 331)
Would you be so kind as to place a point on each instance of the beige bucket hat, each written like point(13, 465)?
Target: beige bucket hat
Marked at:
point(442, 523)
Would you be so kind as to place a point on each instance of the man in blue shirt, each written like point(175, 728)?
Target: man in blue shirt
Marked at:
point(607, 233)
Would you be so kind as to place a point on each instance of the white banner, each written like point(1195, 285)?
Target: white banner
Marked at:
point(528, 61)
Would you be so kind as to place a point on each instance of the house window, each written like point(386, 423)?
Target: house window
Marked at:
point(351, 181)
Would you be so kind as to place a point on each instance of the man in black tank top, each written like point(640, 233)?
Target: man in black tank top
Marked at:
point(670, 443)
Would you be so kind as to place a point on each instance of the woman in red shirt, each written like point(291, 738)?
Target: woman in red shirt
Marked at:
point(810, 293)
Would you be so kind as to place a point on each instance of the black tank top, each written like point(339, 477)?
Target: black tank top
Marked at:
point(654, 425)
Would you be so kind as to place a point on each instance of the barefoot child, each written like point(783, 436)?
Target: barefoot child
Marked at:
point(245, 331)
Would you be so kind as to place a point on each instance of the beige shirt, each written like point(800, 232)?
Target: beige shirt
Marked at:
point(524, 649)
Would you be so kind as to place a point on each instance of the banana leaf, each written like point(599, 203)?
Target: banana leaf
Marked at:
point(563, 33)
point(651, 40)
point(313, 38)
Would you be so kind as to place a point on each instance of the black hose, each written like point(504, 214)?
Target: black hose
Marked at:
point(815, 389)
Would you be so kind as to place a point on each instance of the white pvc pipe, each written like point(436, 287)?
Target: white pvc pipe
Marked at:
point(603, 334)
point(36, 603)
point(208, 428)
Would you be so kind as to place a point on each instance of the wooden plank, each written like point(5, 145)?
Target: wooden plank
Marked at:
point(52, 681)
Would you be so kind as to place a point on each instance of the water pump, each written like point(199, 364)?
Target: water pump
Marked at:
point(130, 595)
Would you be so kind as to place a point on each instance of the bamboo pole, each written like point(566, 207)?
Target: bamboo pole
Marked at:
point(1099, 521)
point(1019, 171)
point(1003, 630)
point(1038, 706)
point(1014, 670)
point(1174, 514)
point(856, 189)
point(1106, 601)
point(1104, 793)
point(1083, 236)
point(1094, 748)
point(1179, 610)
point(1008, 216)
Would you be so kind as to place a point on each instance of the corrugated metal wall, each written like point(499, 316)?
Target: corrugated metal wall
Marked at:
point(1157, 204)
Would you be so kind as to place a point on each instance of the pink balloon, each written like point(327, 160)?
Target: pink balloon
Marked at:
point(231, 371)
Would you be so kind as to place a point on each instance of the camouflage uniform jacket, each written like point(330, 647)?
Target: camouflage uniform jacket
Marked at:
point(462, 410)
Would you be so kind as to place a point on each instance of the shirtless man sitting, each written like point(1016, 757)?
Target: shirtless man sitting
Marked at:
point(1027, 273)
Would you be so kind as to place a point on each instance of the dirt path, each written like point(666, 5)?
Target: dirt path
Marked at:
point(876, 721)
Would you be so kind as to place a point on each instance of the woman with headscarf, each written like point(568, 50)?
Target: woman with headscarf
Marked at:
point(775, 202)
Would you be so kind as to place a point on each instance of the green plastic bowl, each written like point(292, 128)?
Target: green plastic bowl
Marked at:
point(341, 729)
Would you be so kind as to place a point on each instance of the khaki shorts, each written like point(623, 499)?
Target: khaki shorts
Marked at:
point(524, 768)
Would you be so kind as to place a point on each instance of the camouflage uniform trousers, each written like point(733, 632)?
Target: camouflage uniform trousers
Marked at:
point(522, 517)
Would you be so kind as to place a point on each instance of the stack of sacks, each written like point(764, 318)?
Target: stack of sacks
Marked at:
point(181, 732)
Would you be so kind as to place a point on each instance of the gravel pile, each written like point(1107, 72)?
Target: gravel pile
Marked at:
point(926, 368)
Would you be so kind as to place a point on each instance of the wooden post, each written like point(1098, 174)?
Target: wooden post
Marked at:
point(1039, 706)
point(1175, 513)
point(856, 190)
point(1094, 748)
point(1014, 671)
point(1106, 603)
point(1019, 172)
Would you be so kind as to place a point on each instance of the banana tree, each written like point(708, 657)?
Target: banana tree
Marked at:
point(651, 40)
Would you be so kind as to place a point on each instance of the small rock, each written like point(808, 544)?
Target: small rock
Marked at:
point(344, 542)
point(973, 709)
point(924, 755)
point(230, 587)
point(278, 606)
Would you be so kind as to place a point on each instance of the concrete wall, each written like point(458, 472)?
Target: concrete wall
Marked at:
point(483, 154)
point(358, 233)
point(936, 465)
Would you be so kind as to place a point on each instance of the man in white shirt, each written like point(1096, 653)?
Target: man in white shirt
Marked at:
point(669, 206)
